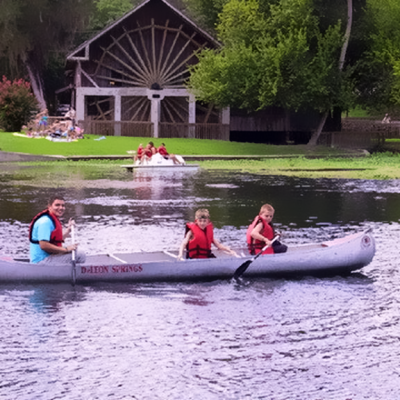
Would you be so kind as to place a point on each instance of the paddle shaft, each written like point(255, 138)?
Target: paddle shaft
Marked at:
point(240, 271)
point(73, 256)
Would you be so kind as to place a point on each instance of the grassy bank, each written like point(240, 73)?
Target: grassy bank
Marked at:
point(377, 166)
point(114, 145)
point(326, 165)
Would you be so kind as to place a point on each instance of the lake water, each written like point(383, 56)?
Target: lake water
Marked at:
point(311, 338)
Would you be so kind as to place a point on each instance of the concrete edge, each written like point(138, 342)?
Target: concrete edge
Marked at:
point(24, 157)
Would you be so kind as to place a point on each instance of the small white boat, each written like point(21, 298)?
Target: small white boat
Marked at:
point(338, 256)
point(158, 161)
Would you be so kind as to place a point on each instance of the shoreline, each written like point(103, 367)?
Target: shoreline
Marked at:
point(26, 157)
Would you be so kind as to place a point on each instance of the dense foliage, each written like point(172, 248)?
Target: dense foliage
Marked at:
point(106, 11)
point(277, 52)
point(16, 104)
point(274, 57)
point(35, 31)
point(379, 68)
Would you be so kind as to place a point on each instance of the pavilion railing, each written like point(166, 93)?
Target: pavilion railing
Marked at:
point(194, 131)
point(362, 134)
point(146, 129)
point(117, 128)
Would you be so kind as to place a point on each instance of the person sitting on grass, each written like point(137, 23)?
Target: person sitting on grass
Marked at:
point(261, 232)
point(199, 238)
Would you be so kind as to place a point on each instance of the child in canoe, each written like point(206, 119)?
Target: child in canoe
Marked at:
point(261, 232)
point(199, 238)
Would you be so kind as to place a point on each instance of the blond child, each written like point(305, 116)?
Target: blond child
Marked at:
point(261, 232)
point(199, 238)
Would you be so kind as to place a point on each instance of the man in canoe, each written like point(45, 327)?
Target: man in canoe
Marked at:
point(199, 238)
point(46, 236)
point(261, 232)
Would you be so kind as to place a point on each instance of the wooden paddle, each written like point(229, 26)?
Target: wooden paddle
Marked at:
point(73, 256)
point(240, 271)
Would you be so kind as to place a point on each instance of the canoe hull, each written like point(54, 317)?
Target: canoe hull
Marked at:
point(340, 256)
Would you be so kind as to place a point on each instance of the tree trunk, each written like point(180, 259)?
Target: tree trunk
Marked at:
point(317, 133)
point(347, 34)
point(37, 85)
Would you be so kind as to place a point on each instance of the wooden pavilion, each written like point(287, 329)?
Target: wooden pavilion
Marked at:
point(129, 79)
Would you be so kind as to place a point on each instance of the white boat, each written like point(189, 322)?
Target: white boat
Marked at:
point(338, 256)
point(158, 161)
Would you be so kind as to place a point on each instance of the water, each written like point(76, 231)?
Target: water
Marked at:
point(331, 338)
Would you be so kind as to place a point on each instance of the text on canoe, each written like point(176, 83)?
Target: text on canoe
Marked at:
point(115, 269)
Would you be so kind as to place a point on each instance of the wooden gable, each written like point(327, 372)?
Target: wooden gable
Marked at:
point(150, 47)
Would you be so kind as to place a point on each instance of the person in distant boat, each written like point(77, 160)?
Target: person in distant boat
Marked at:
point(199, 237)
point(163, 151)
point(261, 232)
point(46, 236)
point(148, 152)
point(139, 153)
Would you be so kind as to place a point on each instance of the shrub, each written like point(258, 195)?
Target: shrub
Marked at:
point(17, 103)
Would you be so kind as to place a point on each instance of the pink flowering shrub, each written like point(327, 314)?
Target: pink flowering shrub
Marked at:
point(17, 103)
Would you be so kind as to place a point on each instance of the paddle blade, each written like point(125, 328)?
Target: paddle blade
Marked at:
point(240, 271)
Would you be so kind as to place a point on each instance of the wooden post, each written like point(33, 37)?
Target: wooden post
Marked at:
point(117, 115)
point(80, 104)
point(192, 117)
point(155, 96)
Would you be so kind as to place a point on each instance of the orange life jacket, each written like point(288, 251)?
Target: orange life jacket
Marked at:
point(256, 245)
point(200, 245)
point(56, 236)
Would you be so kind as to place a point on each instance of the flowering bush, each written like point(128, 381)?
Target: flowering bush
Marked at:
point(16, 104)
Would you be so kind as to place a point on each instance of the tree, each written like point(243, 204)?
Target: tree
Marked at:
point(314, 138)
point(274, 55)
point(206, 11)
point(379, 68)
point(106, 11)
point(33, 30)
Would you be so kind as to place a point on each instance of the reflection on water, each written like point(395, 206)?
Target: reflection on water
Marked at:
point(282, 339)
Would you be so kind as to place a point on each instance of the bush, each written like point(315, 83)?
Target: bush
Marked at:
point(17, 103)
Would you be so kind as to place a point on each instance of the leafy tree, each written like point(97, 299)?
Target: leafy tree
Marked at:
point(106, 11)
point(206, 11)
point(16, 104)
point(33, 30)
point(379, 76)
point(273, 55)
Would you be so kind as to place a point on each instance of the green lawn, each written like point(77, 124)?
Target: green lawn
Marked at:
point(323, 164)
point(114, 145)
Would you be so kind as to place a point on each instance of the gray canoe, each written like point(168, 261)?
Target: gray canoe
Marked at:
point(338, 256)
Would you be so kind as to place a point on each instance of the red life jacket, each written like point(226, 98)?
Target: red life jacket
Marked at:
point(148, 152)
point(56, 236)
point(140, 151)
point(255, 245)
point(200, 245)
point(163, 151)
